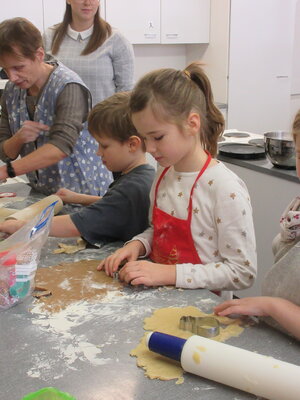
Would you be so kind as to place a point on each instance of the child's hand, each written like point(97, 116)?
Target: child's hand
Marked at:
point(67, 196)
point(148, 273)
point(11, 226)
point(247, 306)
point(129, 252)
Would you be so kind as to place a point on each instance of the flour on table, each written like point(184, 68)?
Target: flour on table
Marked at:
point(77, 289)
point(71, 282)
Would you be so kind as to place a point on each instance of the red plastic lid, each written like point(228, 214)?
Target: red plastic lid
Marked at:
point(8, 261)
point(7, 194)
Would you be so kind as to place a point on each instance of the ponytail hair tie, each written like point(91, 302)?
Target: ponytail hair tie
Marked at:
point(187, 73)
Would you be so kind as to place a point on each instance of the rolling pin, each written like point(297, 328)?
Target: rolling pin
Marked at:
point(242, 369)
point(31, 211)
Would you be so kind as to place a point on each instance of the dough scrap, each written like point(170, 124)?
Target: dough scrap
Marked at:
point(72, 282)
point(166, 320)
point(71, 248)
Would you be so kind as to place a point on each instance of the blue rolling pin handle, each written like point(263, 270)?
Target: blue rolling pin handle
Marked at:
point(166, 345)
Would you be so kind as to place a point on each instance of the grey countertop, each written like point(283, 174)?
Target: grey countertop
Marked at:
point(264, 166)
point(85, 350)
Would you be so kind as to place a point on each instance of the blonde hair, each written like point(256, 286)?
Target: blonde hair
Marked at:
point(101, 31)
point(173, 94)
point(296, 125)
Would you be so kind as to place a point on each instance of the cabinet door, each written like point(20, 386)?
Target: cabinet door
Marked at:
point(53, 12)
point(138, 20)
point(260, 59)
point(29, 9)
point(185, 21)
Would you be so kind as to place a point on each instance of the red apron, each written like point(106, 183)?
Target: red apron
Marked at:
point(172, 237)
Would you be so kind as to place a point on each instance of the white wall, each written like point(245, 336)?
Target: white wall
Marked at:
point(153, 56)
point(215, 55)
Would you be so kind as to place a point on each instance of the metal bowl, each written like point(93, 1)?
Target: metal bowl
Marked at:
point(280, 149)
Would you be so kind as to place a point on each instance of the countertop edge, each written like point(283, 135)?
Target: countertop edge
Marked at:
point(265, 168)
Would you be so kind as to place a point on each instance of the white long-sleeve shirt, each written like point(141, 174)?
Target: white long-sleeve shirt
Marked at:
point(222, 227)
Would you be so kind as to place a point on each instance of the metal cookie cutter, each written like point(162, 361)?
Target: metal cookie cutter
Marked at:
point(202, 326)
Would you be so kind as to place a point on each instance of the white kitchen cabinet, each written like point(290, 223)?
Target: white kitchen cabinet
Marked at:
point(53, 12)
point(185, 22)
point(260, 61)
point(138, 20)
point(161, 21)
point(29, 9)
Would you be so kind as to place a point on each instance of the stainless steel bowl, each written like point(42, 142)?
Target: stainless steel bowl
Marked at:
point(280, 149)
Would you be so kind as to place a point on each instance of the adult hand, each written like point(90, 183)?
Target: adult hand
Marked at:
point(247, 306)
point(130, 252)
point(147, 273)
point(11, 226)
point(30, 130)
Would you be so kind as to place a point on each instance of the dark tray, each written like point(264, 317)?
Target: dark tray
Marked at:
point(242, 151)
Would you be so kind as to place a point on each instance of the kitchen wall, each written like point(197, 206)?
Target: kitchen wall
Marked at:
point(148, 57)
point(215, 56)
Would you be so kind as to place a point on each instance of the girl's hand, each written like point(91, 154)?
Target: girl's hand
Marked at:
point(67, 196)
point(129, 252)
point(247, 306)
point(30, 131)
point(11, 226)
point(148, 273)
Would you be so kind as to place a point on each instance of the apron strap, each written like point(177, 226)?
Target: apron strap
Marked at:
point(193, 187)
point(158, 183)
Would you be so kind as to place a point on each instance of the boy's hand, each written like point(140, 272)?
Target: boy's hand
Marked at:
point(67, 195)
point(11, 226)
point(129, 252)
point(147, 273)
point(247, 306)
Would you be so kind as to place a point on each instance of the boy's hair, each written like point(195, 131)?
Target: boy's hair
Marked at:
point(19, 34)
point(111, 118)
point(173, 94)
point(296, 125)
point(101, 31)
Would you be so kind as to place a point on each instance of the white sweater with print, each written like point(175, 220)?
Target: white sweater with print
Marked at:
point(222, 227)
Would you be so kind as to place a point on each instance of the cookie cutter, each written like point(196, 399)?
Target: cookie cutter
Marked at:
point(202, 326)
point(115, 275)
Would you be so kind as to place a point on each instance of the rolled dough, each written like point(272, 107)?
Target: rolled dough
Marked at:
point(166, 320)
point(72, 282)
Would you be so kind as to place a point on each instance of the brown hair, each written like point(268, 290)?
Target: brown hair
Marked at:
point(173, 94)
point(19, 34)
point(296, 125)
point(111, 118)
point(101, 31)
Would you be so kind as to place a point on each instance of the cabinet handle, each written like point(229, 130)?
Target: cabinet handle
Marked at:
point(150, 35)
point(172, 35)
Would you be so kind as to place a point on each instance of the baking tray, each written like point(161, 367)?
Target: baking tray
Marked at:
point(242, 151)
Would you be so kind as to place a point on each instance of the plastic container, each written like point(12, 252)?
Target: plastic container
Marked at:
point(48, 393)
point(19, 257)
